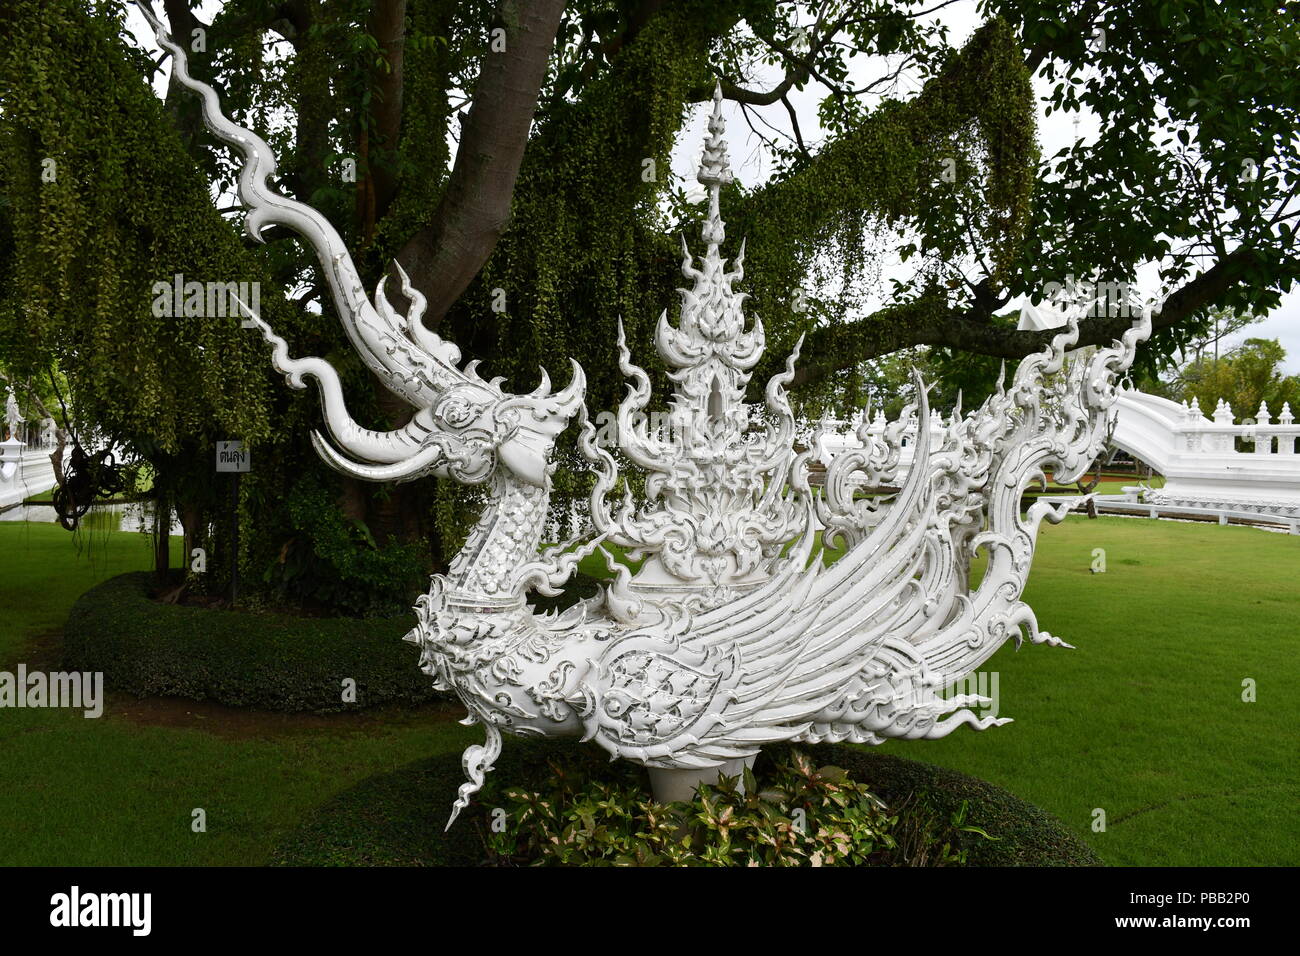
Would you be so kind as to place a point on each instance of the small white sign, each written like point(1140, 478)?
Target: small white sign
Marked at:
point(232, 456)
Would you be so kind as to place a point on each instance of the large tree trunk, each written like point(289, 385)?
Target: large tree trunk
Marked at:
point(162, 523)
point(445, 256)
point(193, 528)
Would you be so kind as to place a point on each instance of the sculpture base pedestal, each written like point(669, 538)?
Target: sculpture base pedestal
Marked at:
point(670, 786)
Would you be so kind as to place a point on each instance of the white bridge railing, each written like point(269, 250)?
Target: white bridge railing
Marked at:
point(1200, 460)
point(834, 435)
point(1219, 466)
point(25, 465)
point(24, 472)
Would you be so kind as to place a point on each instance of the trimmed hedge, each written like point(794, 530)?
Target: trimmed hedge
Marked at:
point(1026, 835)
point(397, 819)
point(238, 658)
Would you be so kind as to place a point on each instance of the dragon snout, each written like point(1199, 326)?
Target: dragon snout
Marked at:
point(526, 451)
point(527, 454)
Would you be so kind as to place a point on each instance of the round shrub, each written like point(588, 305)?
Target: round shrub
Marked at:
point(397, 819)
point(791, 813)
point(240, 658)
point(1025, 835)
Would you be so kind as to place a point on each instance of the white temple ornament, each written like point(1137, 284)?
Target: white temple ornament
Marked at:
point(732, 633)
point(13, 417)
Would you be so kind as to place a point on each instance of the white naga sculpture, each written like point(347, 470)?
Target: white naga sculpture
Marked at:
point(733, 632)
point(13, 417)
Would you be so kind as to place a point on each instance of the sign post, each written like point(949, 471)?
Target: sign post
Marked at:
point(233, 457)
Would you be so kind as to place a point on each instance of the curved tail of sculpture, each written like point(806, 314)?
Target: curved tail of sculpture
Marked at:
point(1054, 418)
point(380, 339)
point(863, 649)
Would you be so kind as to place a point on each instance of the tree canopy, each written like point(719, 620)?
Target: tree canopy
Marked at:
point(556, 214)
point(1246, 377)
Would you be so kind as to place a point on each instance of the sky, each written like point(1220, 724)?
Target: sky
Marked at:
point(752, 164)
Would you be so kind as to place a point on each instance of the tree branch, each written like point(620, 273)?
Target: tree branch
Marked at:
point(181, 24)
point(794, 125)
point(836, 348)
point(445, 256)
point(388, 23)
point(801, 68)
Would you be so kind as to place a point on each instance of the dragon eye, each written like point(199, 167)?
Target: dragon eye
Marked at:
point(456, 413)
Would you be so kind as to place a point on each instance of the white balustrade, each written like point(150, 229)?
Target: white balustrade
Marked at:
point(25, 470)
point(1199, 458)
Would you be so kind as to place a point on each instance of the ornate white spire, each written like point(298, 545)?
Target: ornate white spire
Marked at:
point(715, 172)
point(718, 484)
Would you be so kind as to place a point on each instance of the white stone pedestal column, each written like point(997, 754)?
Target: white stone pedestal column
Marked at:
point(670, 786)
point(12, 487)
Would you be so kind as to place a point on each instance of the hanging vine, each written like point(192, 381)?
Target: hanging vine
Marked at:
point(103, 199)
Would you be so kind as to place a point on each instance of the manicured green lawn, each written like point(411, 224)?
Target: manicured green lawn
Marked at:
point(1143, 720)
point(44, 569)
point(122, 789)
point(1106, 486)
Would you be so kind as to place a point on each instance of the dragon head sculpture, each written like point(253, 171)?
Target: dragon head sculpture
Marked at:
point(463, 426)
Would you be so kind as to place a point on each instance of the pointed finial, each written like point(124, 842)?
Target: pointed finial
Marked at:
point(714, 168)
point(715, 172)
